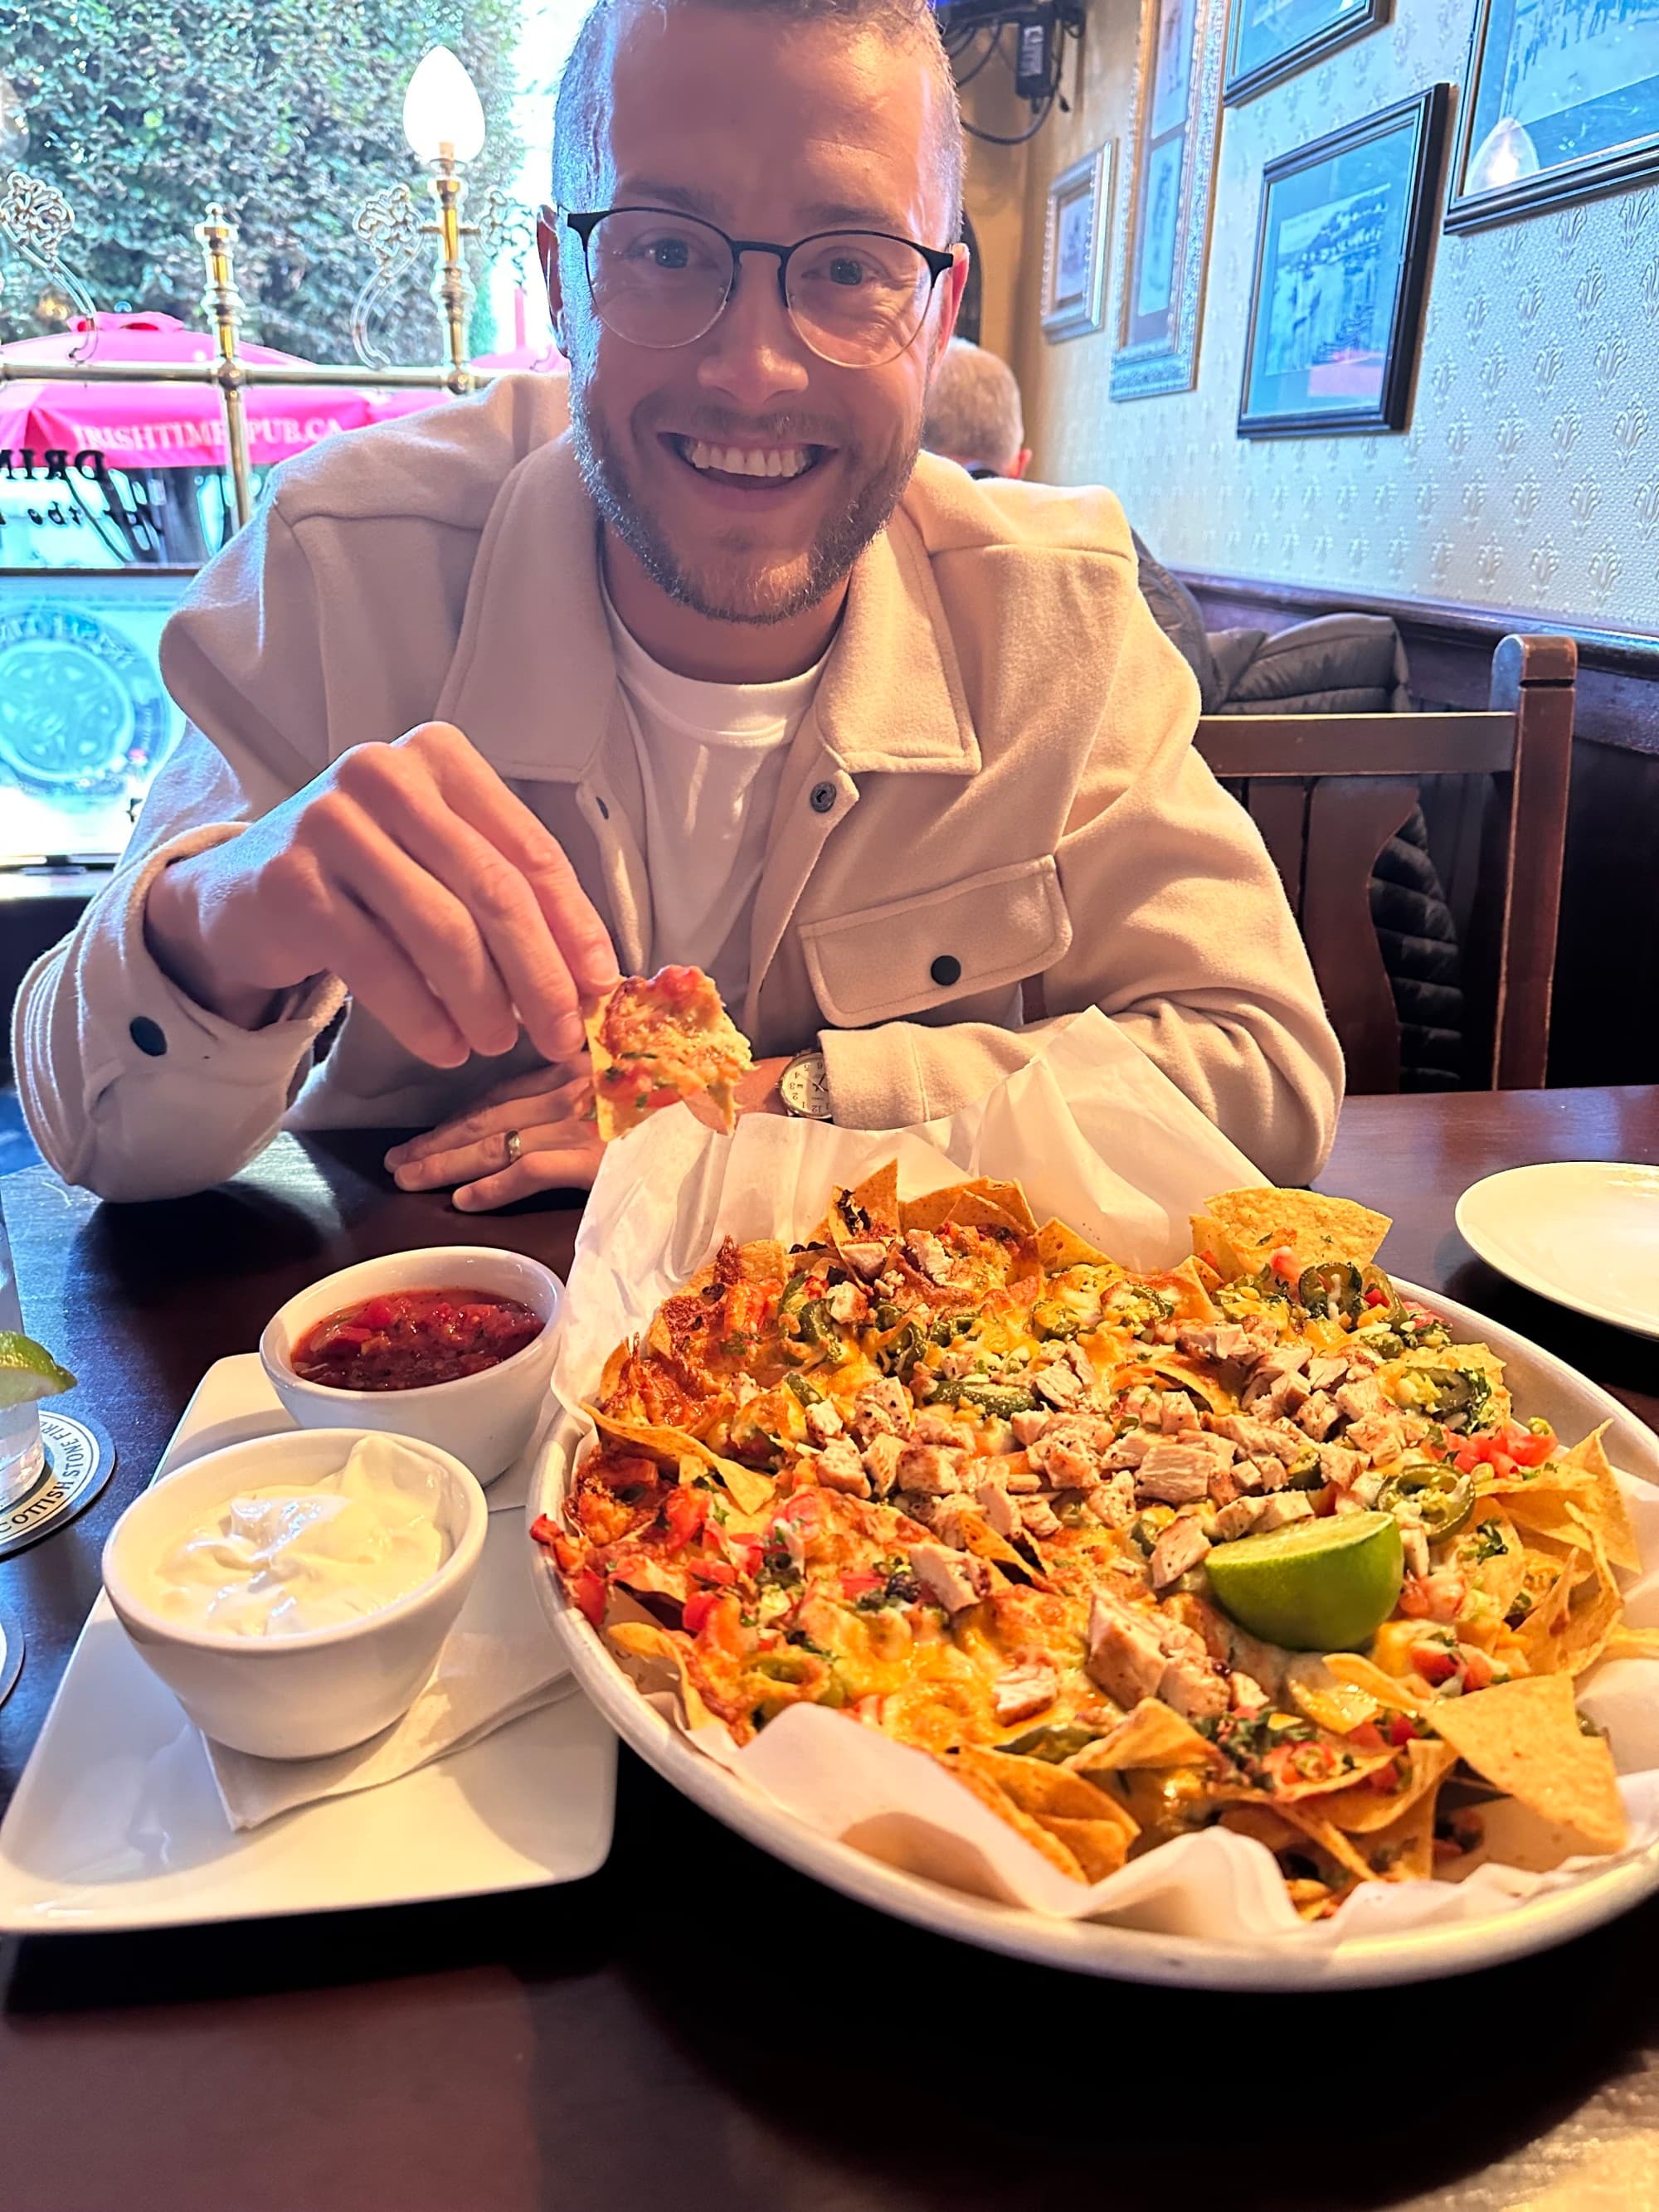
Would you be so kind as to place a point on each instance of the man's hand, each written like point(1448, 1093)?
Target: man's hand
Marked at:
point(411, 873)
point(560, 1149)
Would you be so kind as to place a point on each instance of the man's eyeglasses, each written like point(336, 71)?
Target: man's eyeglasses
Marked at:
point(856, 297)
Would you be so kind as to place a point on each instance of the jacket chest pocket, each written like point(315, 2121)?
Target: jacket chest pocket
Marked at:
point(911, 955)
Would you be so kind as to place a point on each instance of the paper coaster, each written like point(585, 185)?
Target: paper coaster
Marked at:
point(79, 1461)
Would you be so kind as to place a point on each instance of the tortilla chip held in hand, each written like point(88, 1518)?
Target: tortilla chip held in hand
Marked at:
point(655, 1039)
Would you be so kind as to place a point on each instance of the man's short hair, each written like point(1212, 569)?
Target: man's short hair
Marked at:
point(974, 413)
point(580, 105)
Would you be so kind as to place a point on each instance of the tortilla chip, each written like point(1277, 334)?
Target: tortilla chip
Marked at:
point(1038, 1788)
point(929, 1211)
point(998, 1800)
point(1632, 1643)
point(1537, 1632)
point(1321, 1696)
point(1552, 1513)
point(970, 1209)
point(749, 1489)
point(1011, 1197)
point(1185, 1375)
point(1524, 1738)
point(1263, 1826)
point(1404, 1850)
point(1577, 1633)
point(1501, 1575)
point(1192, 1289)
point(1059, 1248)
point(1100, 1847)
point(645, 1642)
point(1330, 1839)
point(1364, 1811)
point(1151, 1734)
point(1605, 1509)
point(980, 1538)
point(1315, 1228)
point(1366, 1675)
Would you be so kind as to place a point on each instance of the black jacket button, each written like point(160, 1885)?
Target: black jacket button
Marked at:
point(147, 1035)
point(822, 797)
point(947, 968)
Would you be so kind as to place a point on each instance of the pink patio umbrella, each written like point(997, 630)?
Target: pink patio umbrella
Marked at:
point(163, 426)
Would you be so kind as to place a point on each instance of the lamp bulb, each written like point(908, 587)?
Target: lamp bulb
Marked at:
point(443, 117)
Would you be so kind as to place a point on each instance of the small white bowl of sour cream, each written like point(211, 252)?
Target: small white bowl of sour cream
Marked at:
point(294, 1591)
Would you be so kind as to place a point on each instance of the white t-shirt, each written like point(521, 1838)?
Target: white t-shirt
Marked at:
point(711, 756)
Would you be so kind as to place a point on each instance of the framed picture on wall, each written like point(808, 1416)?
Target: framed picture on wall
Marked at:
point(1560, 102)
point(1342, 270)
point(1274, 39)
point(1073, 247)
point(1166, 232)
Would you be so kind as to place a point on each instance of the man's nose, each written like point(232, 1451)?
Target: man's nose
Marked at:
point(753, 353)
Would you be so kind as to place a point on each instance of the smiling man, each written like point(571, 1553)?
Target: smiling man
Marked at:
point(721, 675)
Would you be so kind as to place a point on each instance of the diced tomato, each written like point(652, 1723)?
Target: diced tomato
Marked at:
point(1434, 1663)
point(1368, 1736)
point(588, 1591)
point(1377, 1296)
point(1478, 1670)
point(683, 1513)
point(714, 1570)
point(1401, 1730)
point(545, 1531)
point(1505, 1450)
point(694, 1613)
point(858, 1583)
point(1283, 1263)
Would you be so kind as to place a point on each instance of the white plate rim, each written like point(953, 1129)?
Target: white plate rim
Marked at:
point(1099, 1947)
point(1492, 1249)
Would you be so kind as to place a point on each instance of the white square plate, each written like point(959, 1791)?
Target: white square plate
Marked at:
point(116, 1823)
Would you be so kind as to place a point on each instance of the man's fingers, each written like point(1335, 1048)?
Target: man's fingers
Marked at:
point(488, 1124)
point(474, 790)
point(538, 1082)
point(385, 984)
point(564, 1167)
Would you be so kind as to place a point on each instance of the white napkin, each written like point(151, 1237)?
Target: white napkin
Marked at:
point(499, 1661)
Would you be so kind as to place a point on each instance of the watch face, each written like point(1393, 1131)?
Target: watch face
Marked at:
point(804, 1088)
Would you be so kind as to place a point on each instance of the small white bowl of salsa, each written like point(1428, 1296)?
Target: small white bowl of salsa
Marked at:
point(453, 1344)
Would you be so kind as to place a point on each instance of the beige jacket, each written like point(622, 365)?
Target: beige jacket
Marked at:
point(996, 782)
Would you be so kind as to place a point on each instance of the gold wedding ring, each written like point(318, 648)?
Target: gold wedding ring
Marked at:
point(514, 1146)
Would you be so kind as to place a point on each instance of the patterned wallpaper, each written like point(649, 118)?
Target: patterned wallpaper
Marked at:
point(1529, 476)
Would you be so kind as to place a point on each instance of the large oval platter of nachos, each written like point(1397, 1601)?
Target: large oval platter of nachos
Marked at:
point(1251, 1543)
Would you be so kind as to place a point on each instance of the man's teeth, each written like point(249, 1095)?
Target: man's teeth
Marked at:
point(735, 461)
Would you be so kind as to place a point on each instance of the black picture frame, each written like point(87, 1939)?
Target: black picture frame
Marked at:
point(1398, 152)
point(1318, 27)
point(1553, 183)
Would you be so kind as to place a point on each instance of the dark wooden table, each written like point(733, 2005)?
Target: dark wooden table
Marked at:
point(698, 2026)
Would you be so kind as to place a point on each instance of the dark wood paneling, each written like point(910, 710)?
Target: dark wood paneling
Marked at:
point(1605, 1024)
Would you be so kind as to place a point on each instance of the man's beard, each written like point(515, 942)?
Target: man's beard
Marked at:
point(734, 589)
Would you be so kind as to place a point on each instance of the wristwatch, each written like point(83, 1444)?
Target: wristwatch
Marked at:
point(805, 1087)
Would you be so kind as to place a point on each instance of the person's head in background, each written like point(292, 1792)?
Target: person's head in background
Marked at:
point(743, 453)
point(974, 415)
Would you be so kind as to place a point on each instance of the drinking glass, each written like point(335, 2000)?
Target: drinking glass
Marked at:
point(22, 1455)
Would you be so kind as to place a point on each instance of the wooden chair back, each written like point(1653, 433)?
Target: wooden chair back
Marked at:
point(1327, 792)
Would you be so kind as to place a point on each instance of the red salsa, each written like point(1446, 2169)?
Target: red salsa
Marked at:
point(406, 1339)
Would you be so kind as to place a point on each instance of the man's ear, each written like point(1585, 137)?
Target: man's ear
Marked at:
point(1022, 462)
point(547, 252)
point(953, 284)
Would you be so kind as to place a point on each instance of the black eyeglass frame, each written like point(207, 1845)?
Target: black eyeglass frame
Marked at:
point(582, 224)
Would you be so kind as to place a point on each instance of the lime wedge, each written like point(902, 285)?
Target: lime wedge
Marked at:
point(28, 1371)
point(1314, 1586)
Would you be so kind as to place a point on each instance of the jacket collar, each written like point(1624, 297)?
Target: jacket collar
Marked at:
point(533, 682)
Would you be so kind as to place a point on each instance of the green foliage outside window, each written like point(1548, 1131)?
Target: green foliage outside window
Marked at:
point(286, 113)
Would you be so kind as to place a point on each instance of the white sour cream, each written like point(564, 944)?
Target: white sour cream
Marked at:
point(293, 1556)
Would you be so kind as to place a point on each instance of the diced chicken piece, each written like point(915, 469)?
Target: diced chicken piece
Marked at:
point(1131, 1448)
point(1318, 1416)
point(1361, 1362)
point(956, 1361)
point(848, 1304)
point(1220, 1451)
point(1289, 1393)
point(932, 1427)
point(1079, 1361)
point(1173, 1474)
point(1064, 1461)
point(1275, 1472)
point(822, 1422)
point(927, 1254)
point(1258, 1439)
point(1113, 1502)
point(1038, 1517)
point(955, 1580)
point(890, 1284)
point(1124, 1658)
point(1141, 1404)
point(1238, 1519)
point(998, 1508)
point(1283, 1506)
point(1247, 1475)
point(1176, 1412)
point(930, 1468)
point(1365, 1489)
point(1182, 1544)
point(1024, 1691)
point(1193, 1686)
point(1339, 1465)
point(1058, 1384)
point(1356, 1400)
point(1247, 1696)
point(1325, 1372)
point(881, 1457)
point(1281, 1359)
point(1223, 1340)
point(882, 1409)
point(1028, 1427)
point(1378, 1436)
point(946, 1517)
point(1016, 1473)
point(1414, 1543)
point(838, 1466)
point(866, 1259)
